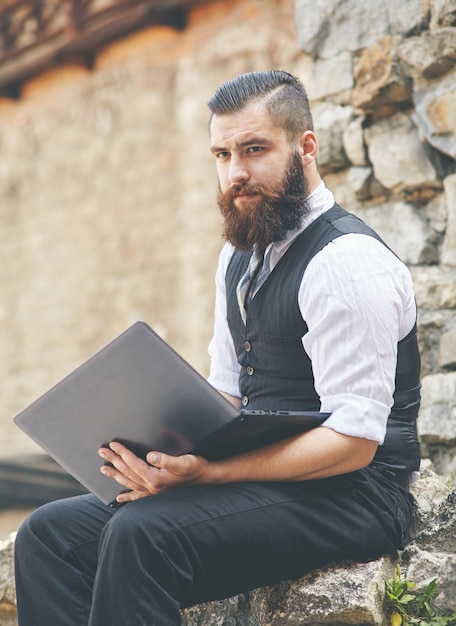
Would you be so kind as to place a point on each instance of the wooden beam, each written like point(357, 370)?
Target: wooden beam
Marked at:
point(83, 32)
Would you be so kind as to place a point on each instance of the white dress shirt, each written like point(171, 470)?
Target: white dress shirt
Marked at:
point(357, 300)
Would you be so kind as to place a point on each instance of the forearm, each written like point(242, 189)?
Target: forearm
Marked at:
point(319, 453)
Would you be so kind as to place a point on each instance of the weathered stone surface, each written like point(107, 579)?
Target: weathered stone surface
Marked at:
point(353, 142)
point(7, 588)
point(330, 77)
point(390, 143)
point(381, 86)
point(447, 353)
point(431, 554)
point(429, 493)
point(435, 287)
point(446, 576)
point(430, 55)
point(443, 13)
point(395, 222)
point(8, 615)
point(435, 211)
point(435, 114)
point(439, 534)
point(360, 181)
point(329, 122)
point(425, 566)
point(431, 325)
point(328, 27)
point(449, 242)
point(351, 594)
point(437, 422)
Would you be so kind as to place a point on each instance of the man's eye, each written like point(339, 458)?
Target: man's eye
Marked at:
point(222, 155)
point(255, 149)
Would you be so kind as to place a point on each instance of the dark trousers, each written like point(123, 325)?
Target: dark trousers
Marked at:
point(81, 563)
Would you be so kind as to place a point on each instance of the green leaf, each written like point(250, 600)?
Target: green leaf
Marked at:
point(405, 599)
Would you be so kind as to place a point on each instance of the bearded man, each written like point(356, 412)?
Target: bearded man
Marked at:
point(328, 322)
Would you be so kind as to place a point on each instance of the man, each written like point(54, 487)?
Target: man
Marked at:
point(329, 322)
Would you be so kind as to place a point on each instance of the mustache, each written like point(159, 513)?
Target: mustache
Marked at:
point(237, 189)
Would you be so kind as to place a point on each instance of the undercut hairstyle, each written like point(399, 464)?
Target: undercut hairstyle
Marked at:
point(282, 95)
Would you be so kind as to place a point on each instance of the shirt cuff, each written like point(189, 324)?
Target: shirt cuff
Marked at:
point(356, 416)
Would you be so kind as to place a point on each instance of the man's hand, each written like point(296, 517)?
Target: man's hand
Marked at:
point(159, 473)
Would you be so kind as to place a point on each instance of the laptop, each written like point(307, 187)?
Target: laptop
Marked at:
point(137, 390)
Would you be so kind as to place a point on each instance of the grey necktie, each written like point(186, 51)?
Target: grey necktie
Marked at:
point(246, 282)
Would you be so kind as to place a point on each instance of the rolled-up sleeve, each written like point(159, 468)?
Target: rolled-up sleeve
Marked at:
point(357, 300)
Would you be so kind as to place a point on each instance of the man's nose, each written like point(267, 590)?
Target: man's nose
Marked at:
point(238, 172)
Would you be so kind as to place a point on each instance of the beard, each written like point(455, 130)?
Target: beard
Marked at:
point(279, 209)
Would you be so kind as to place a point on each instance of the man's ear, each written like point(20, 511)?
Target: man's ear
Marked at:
point(308, 147)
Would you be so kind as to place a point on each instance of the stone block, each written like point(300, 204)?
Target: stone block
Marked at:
point(439, 534)
point(391, 144)
point(330, 77)
point(402, 228)
point(447, 352)
point(435, 115)
point(7, 587)
point(435, 287)
point(381, 87)
point(328, 27)
point(430, 491)
point(431, 54)
point(353, 142)
point(350, 593)
point(443, 13)
point(330, 121)
point(437, 421)
point(360, 181)
point(449, 242)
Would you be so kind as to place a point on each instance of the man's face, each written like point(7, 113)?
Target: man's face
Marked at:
point(262, 187)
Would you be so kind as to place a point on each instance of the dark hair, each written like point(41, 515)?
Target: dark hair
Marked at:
point(283, 95)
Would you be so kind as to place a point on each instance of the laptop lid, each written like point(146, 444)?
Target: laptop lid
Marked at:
point(139, 391)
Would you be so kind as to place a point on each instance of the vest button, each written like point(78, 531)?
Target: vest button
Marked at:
point(245, 400)
point(247, 346)
point(250, 370)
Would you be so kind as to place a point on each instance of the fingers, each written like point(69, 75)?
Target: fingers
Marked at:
point(127, 469)
point(159, 473)
point(120, 460)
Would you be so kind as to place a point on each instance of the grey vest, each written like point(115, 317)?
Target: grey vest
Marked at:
point(276, 372)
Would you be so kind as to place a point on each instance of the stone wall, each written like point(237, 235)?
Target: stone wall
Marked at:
point(107, 210)
point(383, 79)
